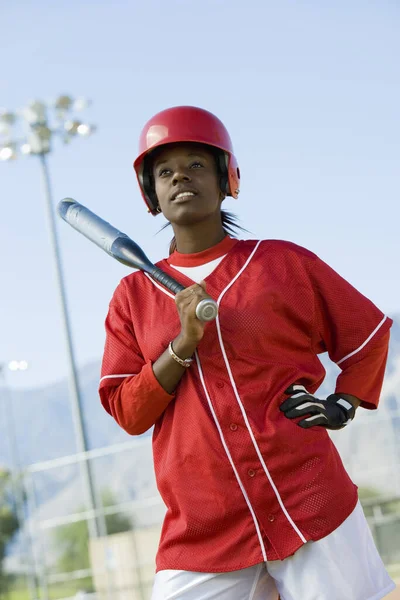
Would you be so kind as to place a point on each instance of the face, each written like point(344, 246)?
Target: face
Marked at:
point(187, 184)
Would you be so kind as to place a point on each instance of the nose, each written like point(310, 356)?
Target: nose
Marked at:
point(180, 176)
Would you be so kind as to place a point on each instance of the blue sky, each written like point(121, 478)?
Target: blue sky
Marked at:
point(309, 91)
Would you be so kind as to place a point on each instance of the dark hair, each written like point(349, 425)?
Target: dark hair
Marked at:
point(229, 224)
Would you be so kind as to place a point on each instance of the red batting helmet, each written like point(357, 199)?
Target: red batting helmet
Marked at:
point(185, 124)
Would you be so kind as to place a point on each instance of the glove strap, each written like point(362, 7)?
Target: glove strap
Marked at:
point(346, 406)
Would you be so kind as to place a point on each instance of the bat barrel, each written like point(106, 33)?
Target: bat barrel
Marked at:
point(122, 248)
point(89, 224)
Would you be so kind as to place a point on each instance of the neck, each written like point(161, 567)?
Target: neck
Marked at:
point(198, 237)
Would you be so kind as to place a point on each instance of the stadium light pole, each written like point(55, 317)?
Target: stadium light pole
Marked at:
point(16, 472)
point(38, 132)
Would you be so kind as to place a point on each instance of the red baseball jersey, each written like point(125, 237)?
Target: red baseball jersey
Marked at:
point(241, 482)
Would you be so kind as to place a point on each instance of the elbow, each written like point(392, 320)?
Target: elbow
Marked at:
point(132, 410)
point(135, 428)
point(125, 412)
point(130, 421)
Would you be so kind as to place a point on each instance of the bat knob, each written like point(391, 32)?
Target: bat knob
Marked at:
point(206, 310)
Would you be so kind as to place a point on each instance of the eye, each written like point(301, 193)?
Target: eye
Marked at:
point(196, 164)
point(163, 172)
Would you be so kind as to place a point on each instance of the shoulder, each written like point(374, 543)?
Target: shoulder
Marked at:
point(129, 287)
point(277, 248)
point(136, 280)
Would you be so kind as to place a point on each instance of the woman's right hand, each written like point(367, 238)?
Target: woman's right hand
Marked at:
point(192, 329)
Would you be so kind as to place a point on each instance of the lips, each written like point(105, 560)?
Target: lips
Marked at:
point(183, 194)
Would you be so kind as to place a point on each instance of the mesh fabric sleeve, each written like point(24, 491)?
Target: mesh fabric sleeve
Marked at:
point(364, 378)
point(352, 330)
point(129, 390)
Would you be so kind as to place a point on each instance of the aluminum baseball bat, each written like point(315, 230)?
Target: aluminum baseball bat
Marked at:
point(124, 249)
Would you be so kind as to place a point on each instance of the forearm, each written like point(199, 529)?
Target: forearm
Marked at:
point(139, 401)
point(168, 371)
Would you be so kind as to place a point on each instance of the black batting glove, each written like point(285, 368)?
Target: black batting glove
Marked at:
point(333, 413)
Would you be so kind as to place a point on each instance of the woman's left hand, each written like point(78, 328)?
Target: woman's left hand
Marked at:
point(334, 412)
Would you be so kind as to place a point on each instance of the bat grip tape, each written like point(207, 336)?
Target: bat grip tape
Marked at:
point(167, 281)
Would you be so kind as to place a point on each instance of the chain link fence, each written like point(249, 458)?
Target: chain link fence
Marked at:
point(55, 559)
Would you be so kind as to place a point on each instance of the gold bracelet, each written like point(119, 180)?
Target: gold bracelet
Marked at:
point(183, 362)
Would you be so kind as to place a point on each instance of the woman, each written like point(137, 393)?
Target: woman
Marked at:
point(258, 502)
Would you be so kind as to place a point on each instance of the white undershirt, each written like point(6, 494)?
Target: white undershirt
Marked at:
point(198, 273)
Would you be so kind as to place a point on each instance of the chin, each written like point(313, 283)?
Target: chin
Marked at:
point(187, 217)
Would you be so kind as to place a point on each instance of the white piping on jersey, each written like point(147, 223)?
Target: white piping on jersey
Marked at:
point(303, 539)
point(221, 435)
point(238, 399)
point(112, 376)
point(160, 287)
point(364, 343)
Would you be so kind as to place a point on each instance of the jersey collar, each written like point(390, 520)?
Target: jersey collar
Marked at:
point(200, 258)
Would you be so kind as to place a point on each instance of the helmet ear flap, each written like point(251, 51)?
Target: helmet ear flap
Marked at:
point(147, 181)
point(222, 165)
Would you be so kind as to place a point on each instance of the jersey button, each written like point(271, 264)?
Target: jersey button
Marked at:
point(271, 518)
point(251, 472)
point(220, 384)
point(233, 426)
